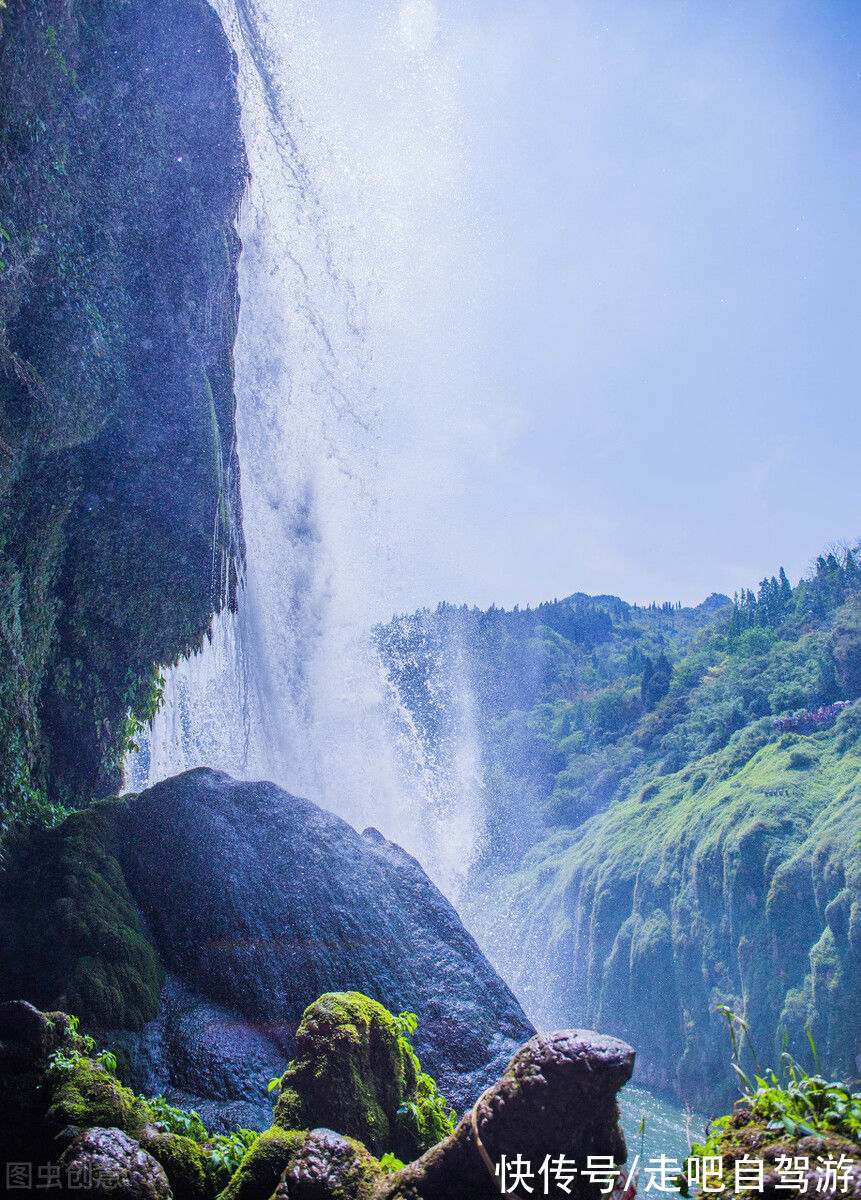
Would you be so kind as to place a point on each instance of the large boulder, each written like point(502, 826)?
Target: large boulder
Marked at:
point(256, 902)
point(557, 1098)
point(260, 901)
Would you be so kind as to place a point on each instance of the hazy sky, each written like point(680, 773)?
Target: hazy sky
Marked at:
point(615, 258)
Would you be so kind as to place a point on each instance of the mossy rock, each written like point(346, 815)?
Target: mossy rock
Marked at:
point(64, 889)
point(85, 1094)
point(327, 1165)
point(263, 1165)
point(745, 1135)
point(184, 1163)
point(349, 1073)
point(356, 1073)
point(106, 565)
point(27, 1038)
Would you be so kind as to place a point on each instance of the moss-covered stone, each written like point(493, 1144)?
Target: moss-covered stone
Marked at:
point(64, 891)
point(331, 1167)
point(356, 1073)
point(263, 1165)
point(349, 1073)
point(51, 1087)
point(118, 1162)
point(358, 1178)
point(85, 1094)
point(121, 168)
point(744, 1137)
point(184, 1163)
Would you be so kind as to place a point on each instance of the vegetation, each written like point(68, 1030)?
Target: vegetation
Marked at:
point(82, 1091)
point(85, 1092)
point(66, 1059)
point(583, 701)
point(775, 1117)
point(795, 1102)
point(187, 1144)
point(258, 1172)
point(118, 530)
point(356, 1071)
point(64, 891)
point(673, 797)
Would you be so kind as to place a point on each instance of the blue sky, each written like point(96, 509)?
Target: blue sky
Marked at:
point(615, 313)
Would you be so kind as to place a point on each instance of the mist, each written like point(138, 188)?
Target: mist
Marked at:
point(606, 259)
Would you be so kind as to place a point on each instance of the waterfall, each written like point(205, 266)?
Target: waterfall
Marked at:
point(291, 687)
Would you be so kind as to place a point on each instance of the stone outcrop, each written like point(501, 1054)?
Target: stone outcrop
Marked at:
point(356, 1072)
point(557, 1097)
point(121, 171)
point(255, 902)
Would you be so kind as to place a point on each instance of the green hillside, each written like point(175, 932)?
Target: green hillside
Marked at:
point(736, 881)
point(673, 812)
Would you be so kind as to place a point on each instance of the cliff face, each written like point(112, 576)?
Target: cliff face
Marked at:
point(735, 882)
point(121, 170)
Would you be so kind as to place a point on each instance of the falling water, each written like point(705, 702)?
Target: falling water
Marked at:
point(291, 687)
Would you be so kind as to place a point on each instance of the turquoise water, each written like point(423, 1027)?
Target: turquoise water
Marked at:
point(668, 1129)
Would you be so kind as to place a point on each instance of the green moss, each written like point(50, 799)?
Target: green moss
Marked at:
point(356, 1073)
point(262, 1166)
point(185, 1164)
point(738, 1137)
point(349, 1072)
point(64, 891)
point(743, 891)
point(86, 1094)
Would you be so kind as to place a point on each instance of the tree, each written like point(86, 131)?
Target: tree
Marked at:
point(846, 648)
point(656, 680)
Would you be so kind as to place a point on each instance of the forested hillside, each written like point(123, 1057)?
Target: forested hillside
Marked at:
point(671, 800)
